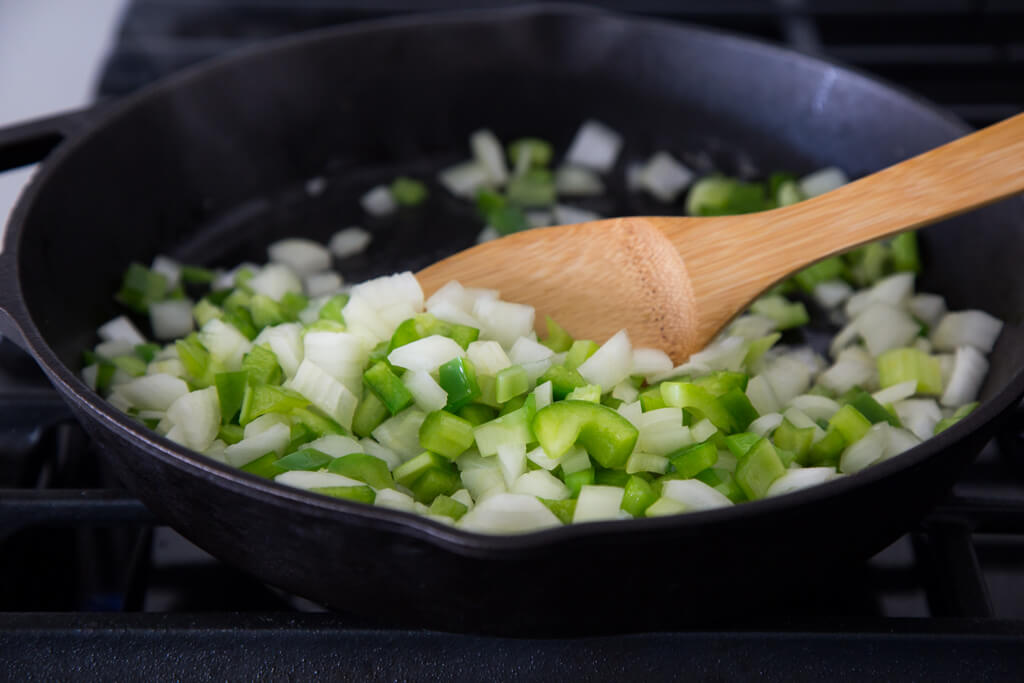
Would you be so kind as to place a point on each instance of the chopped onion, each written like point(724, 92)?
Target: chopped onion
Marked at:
point(766, 424)
point(802, 478)
point(319, 284)
point(285, 340)
point(648, 362)
point(395, 500)
point(489, 153)
point(335, 445)
point(488, 357)
point(665, 177)
point(568, 215)
point(883, 327)
point(169, 268)
point(695, 494)
point(511, 461)
point(576, 181)
point(816, 407)
point(868, 450)
point(488, 234)
point(969, 370)
point(542, 484)
point(154, 392)
point(967, 328)
point(897, 392)
point(302, 479)
point(121, 329)
point(595, 146)
point(225, 343)
point(464, 179)
point(426, 392)
point(822, 181)
point(275, 280)
point(325, 392)
point(508, 513)
point(171, 319)
point(427, 354)
point(919, 415)
point(349, 242)
point(928, 308)
point(503, 321)
point(302, 255)
point(596, 503)
point(401, 433)
point(378, 201)
point(611, 363)
point(275, 439)
point(831, 293)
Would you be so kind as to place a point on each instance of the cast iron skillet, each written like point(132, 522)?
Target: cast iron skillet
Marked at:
point(212, 165)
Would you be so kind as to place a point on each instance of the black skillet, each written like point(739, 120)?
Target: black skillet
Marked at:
point(213, 164)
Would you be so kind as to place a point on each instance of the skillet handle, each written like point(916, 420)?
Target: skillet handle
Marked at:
point(22, 144)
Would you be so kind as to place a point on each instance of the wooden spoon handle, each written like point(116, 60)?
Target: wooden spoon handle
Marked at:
point(743, 256)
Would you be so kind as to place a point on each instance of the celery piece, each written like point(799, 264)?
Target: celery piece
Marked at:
point(264, 466)
point(194, 275)
point(133, 365)
point(827, 449)
point(230, 392)
point(147, 351)
point(577, 480)
point(315, 419)
point(309, 459)
point(293, 303)
point(739, 407)
point(961, 412)
point(756, 470)
point(810, 277)
point(205, 311)
point(510, 427)
point(360, 494)
point(558, 339)
point(487, 396)
point(651, 399)
point(721, 196)
point(366, 468)
point(786, 314)
point(435, 482)
point(265, 311)
point(458, 378)
point(241, 319)
point(606, 435)
point(724, 482)
point(540, 151)
point(904, 252)
point(692, 397)
point(140, 287)
point(388, 387)
point(512, 405)
point(740, 444)
point(332, 308)
point(799, 441)
point(446, 434)
point(721, 381)
point(581, 350)
point(510, 382)
point(872, 409)
point(563, 380)
point(408, 191)
point(850, 423)
point(534, 188)
point(477, 414)
point(901, 365)
point(262, 366)
point(562, 509)
point(610, 477)
point(370, 412)
point(448, 507)
point(590, 392)
point(230, 433)
point(691, 460)
point(268, 398)
point(638, 496)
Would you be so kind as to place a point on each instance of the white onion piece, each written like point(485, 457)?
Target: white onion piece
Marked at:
point(752, 326)
point(883, 327)
point(275, 439)
point(762, 396)
point(302, 479)
point(967, 328)
point(449, 312)
point(115, 348)
point(335, 445)
point(866, 451)
point(576, 181)
point(816, 407)
point(154, 392)
point(464, 179)
point(695, 494)
point(635, 176)
point(648, 362)
point(489, 153)
point(340, 354)
point(508, 513)
point(831, 293)
point(625, 391)
point(171, 319)
point(426, 392)
point(371, 447)
point(802, 478)
point(488, 357)
point(120, 329)
point(766, 424)
point(285, 340)
point(544, 394)
point(395, 500)
point(897, 392)
point(919, 415)
point(845, 375)
point(503, 321)
point(263, 423)
point(225, 343)
point(321, 284)
point(534, 357)
point(303, 256)
point(969, 370)
point(801, 420)
point(567, 215)
point(463, 496)
point(928, 308)
point(631, 410)
point(401, 433)
point(542, 484)
point(169, 268)
point(484, 483)
point(611, 363)
point(664, 177)
point(512, 461)
point(788, 378)
point(595, 146)
point(378, 201)
point(540, 458)
point(348, 242)
point(596, 502)
point(275, 280)
point(427, 354)
point(325, 392)
point(822, 181)
point(899, 441)
point(539, 219)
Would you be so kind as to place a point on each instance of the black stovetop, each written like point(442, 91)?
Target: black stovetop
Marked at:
point(91, 585)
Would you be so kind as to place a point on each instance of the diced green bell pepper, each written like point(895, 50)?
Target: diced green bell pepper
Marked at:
point(606, 435)
point(365, 468)
point(756, 470)
point(388, 387)
point(689, 461)
point(458, 378)
point(446, 434)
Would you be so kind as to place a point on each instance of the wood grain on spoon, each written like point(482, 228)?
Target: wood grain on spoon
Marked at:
point(674, 282)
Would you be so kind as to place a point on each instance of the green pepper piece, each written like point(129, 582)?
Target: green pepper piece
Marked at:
point(261, 364)
point(799, 441)
point(316, 420)
point(196, 359)
point(739, 407)
point(388, 387)
point(721, 381)
point(558, 339)
point(756, 470)
point(638, 496)
point(366, 468)
point(435, 482)
point(147, 351)
point(961, 412)
point(900, 365)
point(308, 459)
point(264, 466)
point(408, 191)
point(826, 450)
point(231, 433)
point(360, 494)
point(194, 275)
point(476, 413)
point(563, 509)
point(563, 381)
point(810, 277)
point(265, 311)
point(850, 423)
point(691, 460)
point(230, 392)
point(651, 399)
point(609, 477)
point(577, 480)
point(448, 507)
point(867, 406)
point(141, 287)
point(446, 434)
point(606, 435)
point(580, 351)
point(458, 378)
point(268, 398)
point(786, 314)
point(332, 308)
point(510, 382)
point(370, 413)
point(692, 397)
point(724, 482)
point(133, 365)
point(540, 151)
point(904, 252)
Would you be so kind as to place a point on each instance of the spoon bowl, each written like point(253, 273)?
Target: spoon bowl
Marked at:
point(674, 282)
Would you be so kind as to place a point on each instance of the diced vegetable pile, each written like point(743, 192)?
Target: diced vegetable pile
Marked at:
point(452, 407)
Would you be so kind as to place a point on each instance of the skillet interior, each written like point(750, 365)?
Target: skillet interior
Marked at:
point(212, 166)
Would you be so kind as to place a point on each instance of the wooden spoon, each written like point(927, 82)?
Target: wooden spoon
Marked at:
point(674, 282)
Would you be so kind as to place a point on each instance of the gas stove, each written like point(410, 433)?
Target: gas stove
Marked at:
point(92, 585)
